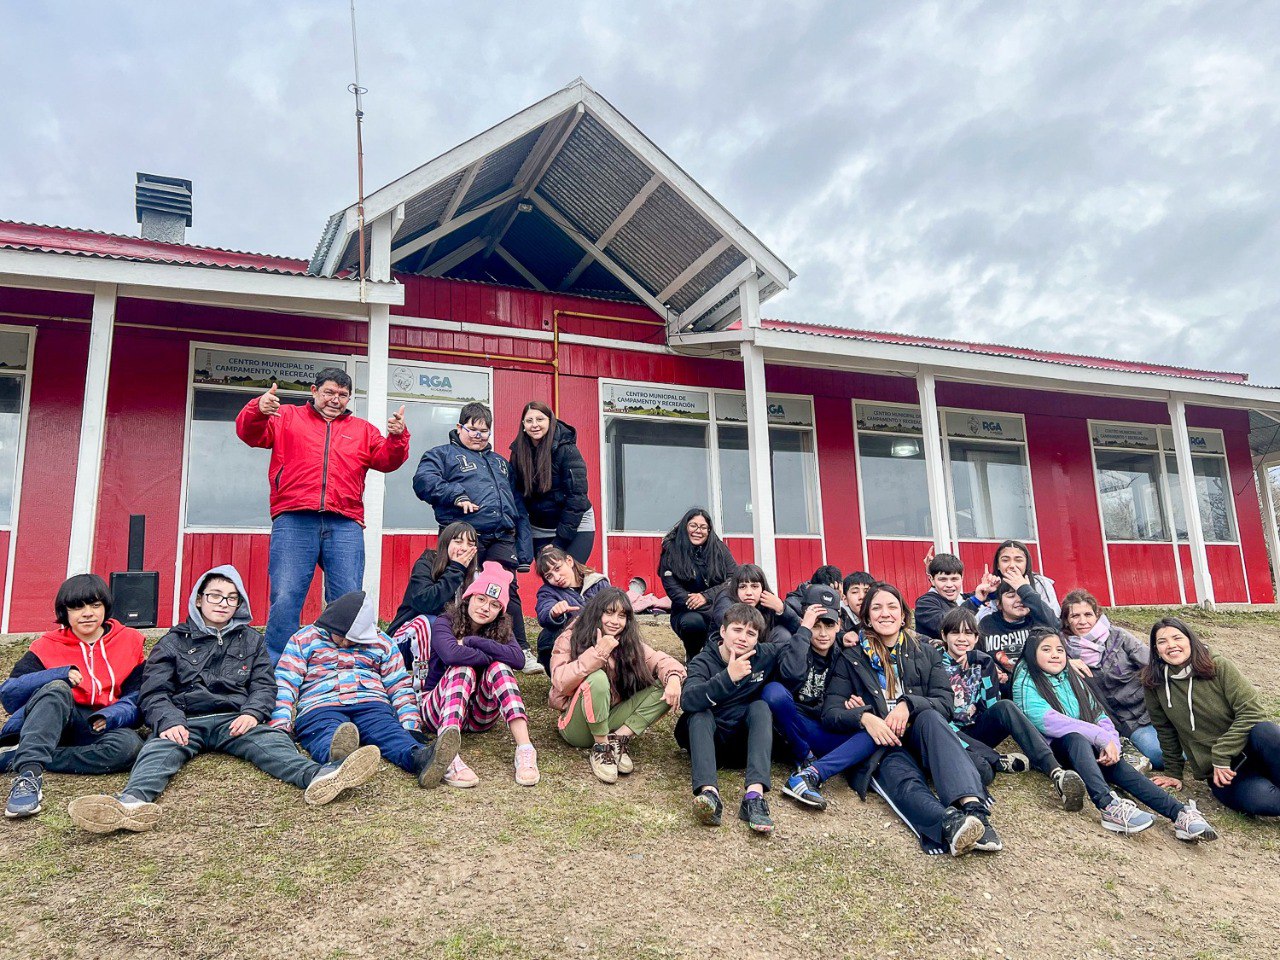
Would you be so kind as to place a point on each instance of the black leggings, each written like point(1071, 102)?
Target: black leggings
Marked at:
point(1256, 788)
point(579, 547)
point(692, 627)
point(1078, 754)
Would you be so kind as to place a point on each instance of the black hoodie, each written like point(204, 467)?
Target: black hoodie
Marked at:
point(708, 685)
point(425, 596)
point(562, 507)
point(195, 671)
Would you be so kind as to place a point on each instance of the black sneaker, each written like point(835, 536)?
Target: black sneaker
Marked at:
point(1070, 789)
point(990, 841)
point(707, 808)
point(961, 831)
point(1014, 763)
point(755, 812)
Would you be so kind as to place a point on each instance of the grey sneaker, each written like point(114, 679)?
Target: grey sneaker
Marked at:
point(345, 742)
point(333, 778)
point(99, 813)
point(1192, 826)
point(1123, 816)
point(531, 664)
point(1131, 755)
point(1070, 789)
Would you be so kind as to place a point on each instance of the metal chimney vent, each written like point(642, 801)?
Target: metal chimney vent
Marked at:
point(163, 206)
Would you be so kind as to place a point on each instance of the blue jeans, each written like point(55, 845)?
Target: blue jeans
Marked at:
point(301, 540)
point(1148, 741)
point(836, 752)
point(376, 722)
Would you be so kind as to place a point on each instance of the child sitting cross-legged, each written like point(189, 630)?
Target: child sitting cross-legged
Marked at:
point(208, 686)
point(725, 721)
point(471, 679)
point(608, 685)
point(567, 585)
point(1084, 738)
point(341, 681)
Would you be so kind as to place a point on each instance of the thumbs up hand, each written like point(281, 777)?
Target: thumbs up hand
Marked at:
point(395, 423)
point(269, 403)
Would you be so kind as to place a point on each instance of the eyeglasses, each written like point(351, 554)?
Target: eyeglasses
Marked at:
point(478, 434)
point(219, 600)
point(335, 394)
point(699, 528)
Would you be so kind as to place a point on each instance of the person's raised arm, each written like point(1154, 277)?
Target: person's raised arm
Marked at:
point(257, 421)
point(390, 452)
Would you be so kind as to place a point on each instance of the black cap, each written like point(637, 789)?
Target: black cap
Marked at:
point(824, 597)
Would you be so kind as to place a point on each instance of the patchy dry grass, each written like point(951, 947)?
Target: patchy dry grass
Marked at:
point(240, 867)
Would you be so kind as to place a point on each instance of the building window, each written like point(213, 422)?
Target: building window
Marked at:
point(1133, 492)
point(895, 489)
point(661, 444)
point(13, 364)
point(433, 396)
point(990, 480)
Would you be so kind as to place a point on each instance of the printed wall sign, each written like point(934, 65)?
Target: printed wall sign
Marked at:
point(783, 411)
point(984, 426)
point(877, 419)
point(454, 385)
point(233, 368)
point(654, 401)
point(1129, 435)
point(1202, 441)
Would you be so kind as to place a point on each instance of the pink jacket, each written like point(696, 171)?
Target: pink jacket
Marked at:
point(567, 675)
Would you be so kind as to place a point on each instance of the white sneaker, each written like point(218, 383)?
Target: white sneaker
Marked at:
point(527, 774)
point(531, 664)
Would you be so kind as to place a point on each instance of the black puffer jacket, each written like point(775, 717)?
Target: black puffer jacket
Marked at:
point(425, 596)
point(562, 507)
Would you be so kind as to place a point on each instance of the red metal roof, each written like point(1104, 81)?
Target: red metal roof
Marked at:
point(112, 246)
point(1001, 350)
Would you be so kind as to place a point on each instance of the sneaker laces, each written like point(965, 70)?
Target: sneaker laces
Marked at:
point(1125, 810)
point(526, 757)
point(24, 786)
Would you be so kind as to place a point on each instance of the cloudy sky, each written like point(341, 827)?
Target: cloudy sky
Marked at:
point(1092, 178)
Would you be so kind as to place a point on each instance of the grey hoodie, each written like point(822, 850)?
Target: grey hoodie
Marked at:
point(195, 670)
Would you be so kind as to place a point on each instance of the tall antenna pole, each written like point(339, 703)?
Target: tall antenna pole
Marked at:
point(359, 93)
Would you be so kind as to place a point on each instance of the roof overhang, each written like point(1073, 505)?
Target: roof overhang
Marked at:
point(212, 286)
point(567, 196)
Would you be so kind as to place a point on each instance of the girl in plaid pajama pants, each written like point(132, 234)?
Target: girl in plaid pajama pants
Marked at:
point(470, 678)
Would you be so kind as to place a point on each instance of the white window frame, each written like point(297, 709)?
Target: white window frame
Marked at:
point(715, 507)
point(24, 418)
point(857, 452)
point(1024, 443)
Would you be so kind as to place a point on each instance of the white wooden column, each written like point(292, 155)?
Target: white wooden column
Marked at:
point(1269, 521)
point(1190, 502)
point(934, 467)
point(93, 423)
point(375, 488)
point(759, 458)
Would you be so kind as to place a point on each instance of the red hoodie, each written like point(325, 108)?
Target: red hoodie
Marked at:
point(319, 464)
point(105, 665)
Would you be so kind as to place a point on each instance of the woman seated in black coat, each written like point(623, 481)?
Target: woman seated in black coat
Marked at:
point(694, 561)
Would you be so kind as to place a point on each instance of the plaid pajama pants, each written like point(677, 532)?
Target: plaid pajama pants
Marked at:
point(473, 700)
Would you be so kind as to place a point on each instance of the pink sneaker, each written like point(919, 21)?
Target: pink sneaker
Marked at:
point(460, 775)
point(527, 774)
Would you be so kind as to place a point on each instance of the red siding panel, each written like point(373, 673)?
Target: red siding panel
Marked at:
point(249, 552)
point(900, 562)
point(838, 474)
point(1225, 568)
point(1143, 573)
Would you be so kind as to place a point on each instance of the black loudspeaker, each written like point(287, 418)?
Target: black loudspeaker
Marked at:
point(136, 595)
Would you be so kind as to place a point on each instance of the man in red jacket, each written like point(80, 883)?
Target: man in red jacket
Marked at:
point(320, 453)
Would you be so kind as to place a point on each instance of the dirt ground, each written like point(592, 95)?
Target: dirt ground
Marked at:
point(240, 867)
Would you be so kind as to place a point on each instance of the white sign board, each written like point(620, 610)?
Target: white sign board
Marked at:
point(233, 368)
point(784, 411)
point(1202, 441)
point(877, 419)
point(654, 401)
point(452, 385)
point(985, 426)
point(1129, 435)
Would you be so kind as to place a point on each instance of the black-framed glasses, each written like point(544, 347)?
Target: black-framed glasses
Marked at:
point(219, 600)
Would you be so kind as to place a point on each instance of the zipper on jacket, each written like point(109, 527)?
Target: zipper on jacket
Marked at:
point(276, 482)
point(324, 470)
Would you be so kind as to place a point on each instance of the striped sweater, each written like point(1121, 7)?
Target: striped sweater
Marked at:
point(313, 672)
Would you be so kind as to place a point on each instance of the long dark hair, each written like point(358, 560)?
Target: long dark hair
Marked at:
point(1021, 548)
point(1201, 661)
point(459, 618)
point(532, 461)
point(905, 638)
point(680, 556)
point(1090, 709)
point(631, 670)
point(455, 530)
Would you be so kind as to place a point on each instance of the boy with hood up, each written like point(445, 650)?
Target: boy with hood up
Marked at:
point(72, 697)
point(341, 681)
point(208, 686)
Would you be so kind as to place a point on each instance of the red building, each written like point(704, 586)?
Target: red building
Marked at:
point(561, 255)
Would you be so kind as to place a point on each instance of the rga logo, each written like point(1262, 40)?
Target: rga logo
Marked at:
point(777, 410)
point(978, 425)
point(434, 381)
point(1196, 441)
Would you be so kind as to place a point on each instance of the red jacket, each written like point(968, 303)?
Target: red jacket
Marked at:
point(319, 464)
point(105, 665)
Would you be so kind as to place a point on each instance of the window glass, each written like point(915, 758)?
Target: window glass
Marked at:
point(1213, 495)
point(1129, 490)
point(657, 471)
point(895, 491)
point(227, 483)
point(429, 425)
point(10, 432)
point(991, 488)
point(795, 481)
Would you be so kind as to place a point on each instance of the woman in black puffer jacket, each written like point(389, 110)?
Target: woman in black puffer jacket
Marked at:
point(549, 474)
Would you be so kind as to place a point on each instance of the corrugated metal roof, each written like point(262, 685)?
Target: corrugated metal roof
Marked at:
point(44, 238)
point(1002, 350)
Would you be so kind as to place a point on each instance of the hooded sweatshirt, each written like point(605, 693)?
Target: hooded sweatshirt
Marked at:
point(1208, 720)
point(110, 675)
point(315, 672)
point(1058, 723)
point(1116, 658)
point(1004, 639)
point(196, 670)
point(549, 595)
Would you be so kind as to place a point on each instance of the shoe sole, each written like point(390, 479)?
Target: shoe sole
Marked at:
point(705, 814)
point(604, 776)
point(345, 742)
point(448, 743)
point(461, 784)
point(800, 798)
point(24, 814)
point(357, 769)
point(1125, 829)
point(1072, 792)
point(1207, 836)
point(967, 836)
point(103, 814)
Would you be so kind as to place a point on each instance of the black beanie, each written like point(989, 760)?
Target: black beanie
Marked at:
point(338, 616)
